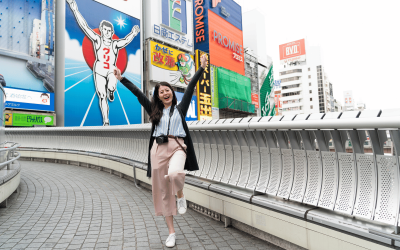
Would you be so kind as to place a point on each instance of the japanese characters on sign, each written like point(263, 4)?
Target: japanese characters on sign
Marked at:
point(161, 31)
point(171, 65)
point(170, 22)
point(204, 90)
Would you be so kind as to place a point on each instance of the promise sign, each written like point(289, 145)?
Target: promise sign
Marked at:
point(204, 90)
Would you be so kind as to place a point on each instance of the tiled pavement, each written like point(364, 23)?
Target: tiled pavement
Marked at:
point(68, 207)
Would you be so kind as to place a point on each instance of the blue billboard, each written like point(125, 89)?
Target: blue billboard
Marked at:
point(229, 10)
point(98, 40)
point(192, 111)
point(29, 100)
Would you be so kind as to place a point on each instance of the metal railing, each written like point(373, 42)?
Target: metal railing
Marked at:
point(10, 157)
point(288, 157)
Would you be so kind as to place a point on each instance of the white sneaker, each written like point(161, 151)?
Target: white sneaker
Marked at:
point(170, 242)
point(181, 205)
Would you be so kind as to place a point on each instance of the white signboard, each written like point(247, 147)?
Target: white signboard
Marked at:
point(170, 21)
point(348, 99)
point(25, 96)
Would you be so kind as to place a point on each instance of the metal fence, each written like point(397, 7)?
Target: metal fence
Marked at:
point(290, 157)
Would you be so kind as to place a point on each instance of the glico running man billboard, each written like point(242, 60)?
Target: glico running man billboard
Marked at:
point(100, 36)
point(27, 36)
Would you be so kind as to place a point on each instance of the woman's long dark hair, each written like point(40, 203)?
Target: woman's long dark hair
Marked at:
point(157, 105)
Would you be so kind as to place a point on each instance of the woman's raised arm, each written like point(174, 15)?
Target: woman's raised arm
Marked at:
point(142, 98)
point(187, 97)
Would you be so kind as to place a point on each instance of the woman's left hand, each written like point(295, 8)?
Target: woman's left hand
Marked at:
point(117, 74)
point(204, 61)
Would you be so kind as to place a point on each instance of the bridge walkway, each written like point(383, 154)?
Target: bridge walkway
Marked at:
point(69, 207)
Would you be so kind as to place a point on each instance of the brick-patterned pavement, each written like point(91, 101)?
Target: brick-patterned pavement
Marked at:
point(68, 207)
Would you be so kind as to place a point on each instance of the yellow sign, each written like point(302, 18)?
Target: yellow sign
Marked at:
point(204, 89)
point(168, 58)
point(8, 119)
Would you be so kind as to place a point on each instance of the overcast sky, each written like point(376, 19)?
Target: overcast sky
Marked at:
point(360, 42)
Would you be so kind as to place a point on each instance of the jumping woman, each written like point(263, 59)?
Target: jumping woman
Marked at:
point(170, 147)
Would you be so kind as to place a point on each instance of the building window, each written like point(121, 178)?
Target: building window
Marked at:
point(291, 86)
point(290, 71)
point(309, 84)
point(291, 79)
point(309, 69)
point(310, 99)
point(311, 106)
point(291, 93)
point(309, 77)
point(310, 91)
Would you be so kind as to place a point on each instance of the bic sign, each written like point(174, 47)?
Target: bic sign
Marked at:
point(174, 14)
point(293, 50)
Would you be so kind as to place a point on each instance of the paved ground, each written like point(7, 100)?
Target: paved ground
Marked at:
point(68, 207)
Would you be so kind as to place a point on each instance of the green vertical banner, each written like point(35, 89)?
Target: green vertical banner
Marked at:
point(214, 92)
point(266, 95)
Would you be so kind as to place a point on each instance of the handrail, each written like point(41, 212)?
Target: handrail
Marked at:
point(6, 163)
point(287, 157)
point(11, 151)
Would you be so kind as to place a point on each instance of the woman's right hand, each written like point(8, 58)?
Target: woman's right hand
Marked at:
point(117, 74)
point(204, 61)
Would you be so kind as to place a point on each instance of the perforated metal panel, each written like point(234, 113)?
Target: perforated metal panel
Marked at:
point(214, 161)
point(255, 168)
point(388, 189)
point(221, 163)
point(228, 164)
point(276, 171)
point(300, 176)
point(201, 159)
point(329, 180)
point(265, 170)
point(347, 183)
point(287, 173)
point(207, 160)
point(245, 171)
point(237, 165)
point(314, 180)
point(366, 186)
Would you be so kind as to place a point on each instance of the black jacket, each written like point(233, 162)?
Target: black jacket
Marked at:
point(191, 161)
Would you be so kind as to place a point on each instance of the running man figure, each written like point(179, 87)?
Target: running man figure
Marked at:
point(106, 50)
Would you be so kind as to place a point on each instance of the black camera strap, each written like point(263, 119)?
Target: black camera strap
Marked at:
point(171, 112)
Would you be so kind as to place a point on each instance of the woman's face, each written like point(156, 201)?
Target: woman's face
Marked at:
point(165, 94)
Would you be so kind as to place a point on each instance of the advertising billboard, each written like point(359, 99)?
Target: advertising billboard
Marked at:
point(277, 84)
point(204, 89)
point(266, 95)
point(27, 36)
point(98, 38)
point(192, 111)
point(29, 100)
point(228, 10)
point(214, 92)
point(254, 100)
point(170, 21)
point(28, 120)
point(293, 52)
point(170, 65)
point(226, 44)
point(348, 98)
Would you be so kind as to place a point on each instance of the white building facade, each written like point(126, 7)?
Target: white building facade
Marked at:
point(305, 85)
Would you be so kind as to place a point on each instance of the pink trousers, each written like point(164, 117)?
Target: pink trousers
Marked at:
point(167, 159)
